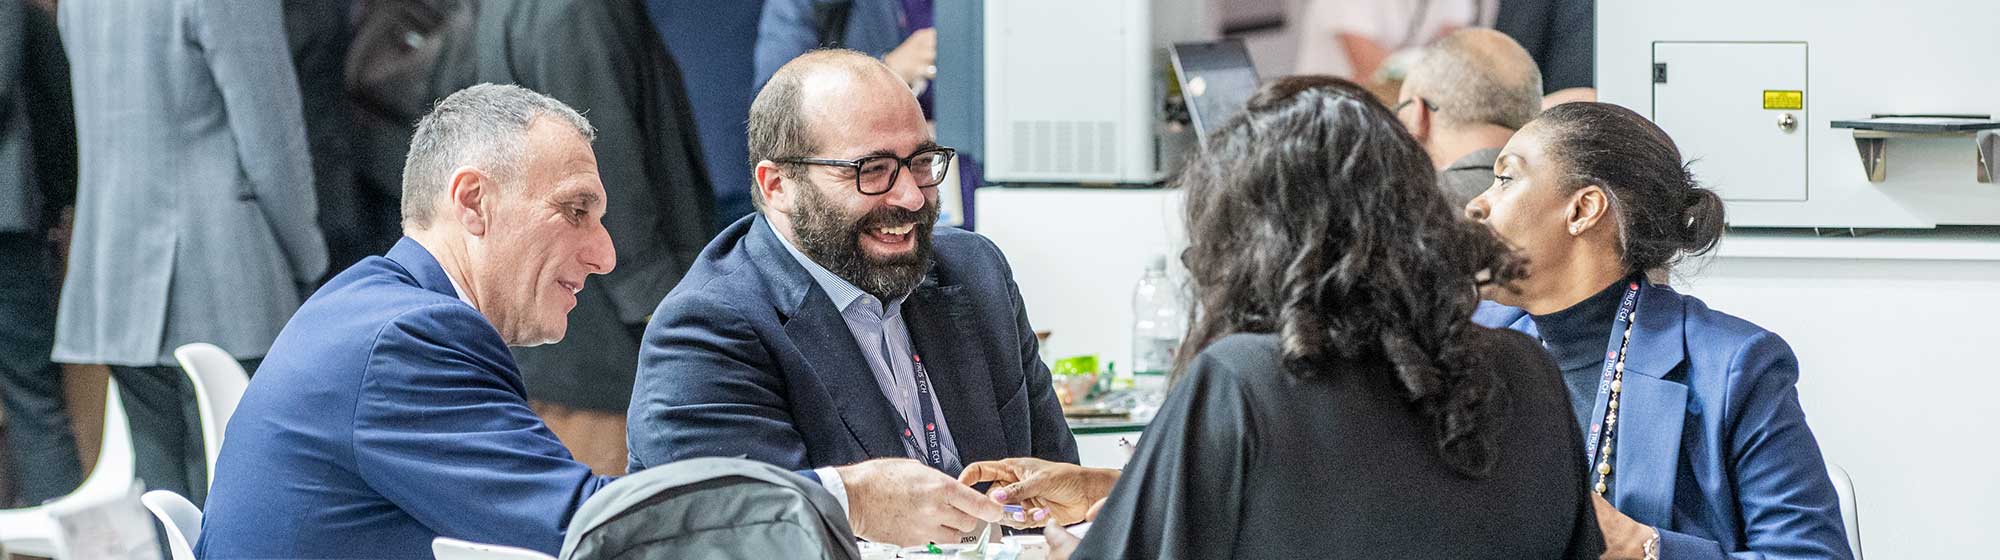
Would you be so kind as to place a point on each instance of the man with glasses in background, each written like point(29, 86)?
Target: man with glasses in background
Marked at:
point(835, 324)
point(1463, 100)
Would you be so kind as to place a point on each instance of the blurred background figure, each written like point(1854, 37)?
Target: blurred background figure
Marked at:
point(897, 31)
point(1560, 35)
point(195, 215)
point(604, 58)
point(390, 77)
point(1356, 39)
point(1462, 100)
point(37, 180)
point(355, 226)
point(720, 83)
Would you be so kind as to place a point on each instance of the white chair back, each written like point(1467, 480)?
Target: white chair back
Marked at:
point(219, 381)
point(181, 519)
point(1849, 512)
point(31, 531)
point(446, 548)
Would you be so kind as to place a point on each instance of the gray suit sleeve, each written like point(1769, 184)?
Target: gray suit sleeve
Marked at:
point(247, 53)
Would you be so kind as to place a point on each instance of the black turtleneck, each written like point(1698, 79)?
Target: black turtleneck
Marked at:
point(1576, 338)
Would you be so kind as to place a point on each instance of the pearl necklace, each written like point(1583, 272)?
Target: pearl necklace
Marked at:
point(1611, 409)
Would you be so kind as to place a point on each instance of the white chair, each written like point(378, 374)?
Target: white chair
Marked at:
point(32, 531)
point(1849, 512)
point(180, 517)
point(219, 382)
point(445, 548)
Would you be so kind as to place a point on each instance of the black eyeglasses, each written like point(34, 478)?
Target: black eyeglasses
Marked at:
point(877, 174)
point(1406, 102)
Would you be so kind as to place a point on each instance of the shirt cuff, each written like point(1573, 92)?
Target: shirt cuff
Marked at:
point(830, 478)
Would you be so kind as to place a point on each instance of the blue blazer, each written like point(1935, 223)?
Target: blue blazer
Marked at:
point(387, 413)
point(748, 357)
point(1712, 446)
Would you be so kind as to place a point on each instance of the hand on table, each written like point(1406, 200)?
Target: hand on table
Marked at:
point(1049, 490)
point(907, 503)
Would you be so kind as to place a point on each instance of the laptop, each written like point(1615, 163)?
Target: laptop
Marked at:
point(1216, 79)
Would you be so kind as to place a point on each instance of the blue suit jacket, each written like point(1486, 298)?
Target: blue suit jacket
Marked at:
point(387, 413)
point(1712, 446)
point(748, 357)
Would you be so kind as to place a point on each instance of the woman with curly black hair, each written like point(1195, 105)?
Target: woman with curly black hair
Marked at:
point(1333, 398)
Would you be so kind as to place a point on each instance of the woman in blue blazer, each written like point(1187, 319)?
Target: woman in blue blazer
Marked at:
point(1691, 423)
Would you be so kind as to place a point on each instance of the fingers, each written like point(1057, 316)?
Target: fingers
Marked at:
point(1030, 514)
point(988, 471)
point(1094, 508)
point(972, 503)
point(958, 522)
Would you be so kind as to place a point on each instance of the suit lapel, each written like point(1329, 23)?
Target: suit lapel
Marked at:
point(1651, 409)
point(957, 367)
point(829, 348)
point(1652, 412)
point(1648, 447)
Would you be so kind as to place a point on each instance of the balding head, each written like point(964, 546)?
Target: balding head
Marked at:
point(1478, 76)
point(817, 90)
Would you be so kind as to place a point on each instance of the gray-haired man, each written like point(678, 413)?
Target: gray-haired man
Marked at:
point(1463, 100)
point(390, 411)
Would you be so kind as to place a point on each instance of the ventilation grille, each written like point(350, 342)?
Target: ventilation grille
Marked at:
point(1079, 147)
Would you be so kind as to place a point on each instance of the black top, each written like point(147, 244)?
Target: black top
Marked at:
point(1246, 461)
point(1577, 337)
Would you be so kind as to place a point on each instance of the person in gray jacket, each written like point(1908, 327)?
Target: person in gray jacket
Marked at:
point(37, 177)
point(195, 216)
point(1463, 100)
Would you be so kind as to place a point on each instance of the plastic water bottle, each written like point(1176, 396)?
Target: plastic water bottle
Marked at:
point(1157, 326)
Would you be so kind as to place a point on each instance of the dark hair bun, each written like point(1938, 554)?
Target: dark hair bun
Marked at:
point(1702, 221)
point(1663, 215)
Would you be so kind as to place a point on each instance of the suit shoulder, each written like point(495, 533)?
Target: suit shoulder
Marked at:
point(388, 310)
point(1730, 355)
point(1703, 321)
point(1495, 315)
point(961, 251)
point(947, 237)
point(1715, 336)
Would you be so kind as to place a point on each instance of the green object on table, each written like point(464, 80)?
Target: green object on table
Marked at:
point(1075, 365)
point(933, 549)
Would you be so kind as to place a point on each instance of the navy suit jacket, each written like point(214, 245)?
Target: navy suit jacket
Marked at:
point(387, 413)
point(1712, 446)
point(748, 357)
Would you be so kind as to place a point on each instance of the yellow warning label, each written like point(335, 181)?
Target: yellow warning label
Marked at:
point(1784, 99)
